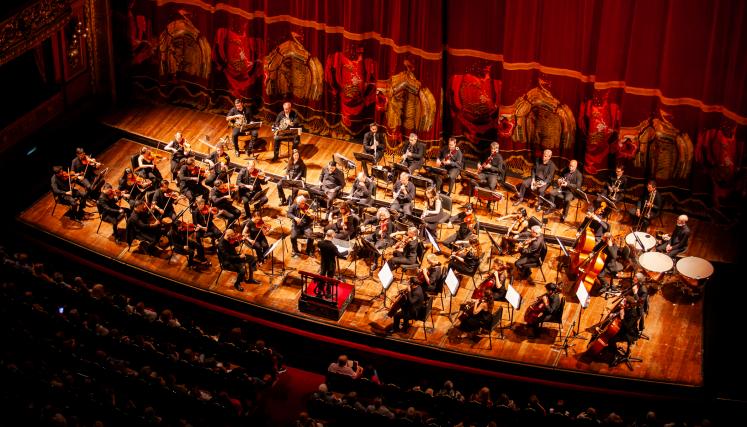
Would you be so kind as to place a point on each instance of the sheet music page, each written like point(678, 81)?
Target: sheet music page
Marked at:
point(513, 297)
point(452, 282)
point(272, 248)
point(583, 295)
point(433, 241)
point(385, 276)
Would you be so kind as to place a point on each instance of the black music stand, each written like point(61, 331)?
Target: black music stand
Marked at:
point(609, 202)
point(420, 182)
point(258, 195)
point(289, 136)
point(397, 168)
point(365, 158)
point(344, 163)
point(580, 195)
point(566, 260)
point(510, 188)
point(280, 242)
point(542, 199)
point(490, 196)
point(415, 220)
point(381, 173)
point(433, 171)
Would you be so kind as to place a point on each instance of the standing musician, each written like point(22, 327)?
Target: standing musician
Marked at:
point(62, 188)
point(383, 229)
point(570, 179)
point(202, 217)
point(109, 208)
point(191, 180)
point(132, 185)
point(647, 208)
point(237, 117)
point(530, 251)
point(295, 170)
point(146, 166)
point(639, 291)
point(85, 167)
point(475, 317)
point(413, 154)
point(406, 250)
point(221, 197)
point(542, 174)
point(451, 159)
point(361, 193)
point(677, 242)
point(142, 225)
point(218, 162)
point(300, 213)
point(232, 260)
point(329, 253)
point(255, 234)
point(162, 201)
point(614, 188)
point(409, 305)
point(467, 260)
point(180, 149)
point(432, 211)
point(286, 119)
point(249, 182)
point(374, 143)
point(431, 277)
point(403, 194)
point(492, 170)
point(612, 264)
point(467, 226)
point(343, 223)
point(331, 181)
point(543, 309)
point(186, 240)
point(517, 230)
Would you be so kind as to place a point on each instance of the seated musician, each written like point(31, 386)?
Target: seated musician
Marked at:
point(676, 243)
point(221, 197)
point(133, 186)
point(492, 170)
point(473, 317)
point(343, 223)
point(403, 194)
point(249, 182)
point(331, 181)
point(517, 230)
point(630, 314)
point(329, 253)
point(286, 119)
point(467, 260)
point(410, 306)
point(218, 162)
point(239, 115)
point(300, 213)
point(381, 236)
point(543, 309)
point(180, 150)
point(202, 216)
point(406, 250)
point(191, 180)
point(498, 280)
point(85, 167)
point(374, 143)
point(647, 208)
point(109, 208)
point(413, 155)
point(614, 188)
point(612, 264)
point(542, 175)
point(432, 276)
point(360, 193)
point(232, 260)
point(143, 226)
point(295, 170)
point(451, 159)
point(531, 249)
point(432, 214)
point(570, 179)
point(162, 201)
point(186, 241)
point(595, 222)
point(146, 166)
point(66, 194)
point(467, 226)
point(254, 235)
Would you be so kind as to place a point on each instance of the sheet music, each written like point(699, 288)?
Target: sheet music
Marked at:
point(385, 276)
point(513, 297)
point(562, 247)
point(583, 295)
point(433, 241)
point(272, 247)
point(452, 282)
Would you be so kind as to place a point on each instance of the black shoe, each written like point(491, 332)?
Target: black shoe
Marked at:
point(238, 287)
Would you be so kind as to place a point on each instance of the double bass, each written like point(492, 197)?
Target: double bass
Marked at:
point(591, 268)
point(586, 241)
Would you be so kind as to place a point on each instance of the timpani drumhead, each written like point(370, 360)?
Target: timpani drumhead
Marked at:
point(694, 268)
point(656, 262)
point(648, 241)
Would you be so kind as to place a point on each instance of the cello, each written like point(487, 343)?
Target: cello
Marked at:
point(610, 328)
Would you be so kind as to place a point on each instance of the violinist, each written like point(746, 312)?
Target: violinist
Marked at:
point(232, 260)
point(190, 180)
point(343, 222)
point(432, 276)
point(221, 197)
point(570, 179)
point(374, 143)
point(202, 218)
point(142, 225)
point(473, 317)
point(300, 213)
point(286, 119)
point(451, 159)
point(185, 239)
point(85, 167)
point(146, 166)
point(218, 163)
point(543, 309)
point(403, 194)
point(331, 181)
point(109, 208)
point(614, 188)
point(406, 250)
point(647, 208)
point(239, 115)
point(413, 155)
point(66, 194)
point(180, 149)
point(255, 234)
point(676, 243)
point(492, 170)
point(329, 253)
point(162, 201)
point(250, 182)
point(383, 229)
point(612, 264)
point(432, 214)
point(295, 170)
point(517, 230)
point(361, 191)
point(530, 251)
point(411, 305)
point(467, 260)
point(542, 174)
point(467, 226)
point(132, 185)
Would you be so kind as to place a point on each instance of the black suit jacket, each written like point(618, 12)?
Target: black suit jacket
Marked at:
point(368, 140)
point(574, 178)
point(544, 172)
point(656, 205)
point(292, 116)
point(329, 252)
point(680, 237)
point(416, 153)
point(457, 158)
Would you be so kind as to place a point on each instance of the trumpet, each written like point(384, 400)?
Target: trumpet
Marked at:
point(615, 188)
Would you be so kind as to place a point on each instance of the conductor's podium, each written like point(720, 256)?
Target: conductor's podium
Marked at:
point(312, 301)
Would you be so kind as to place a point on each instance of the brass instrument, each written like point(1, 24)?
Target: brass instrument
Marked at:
point(615, 188)
point(237, 121)
point(646, 211)
point(537, 183)
point(285, 124)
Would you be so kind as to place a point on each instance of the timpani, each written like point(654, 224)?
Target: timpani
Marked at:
point(694, 272)
point(655, 264)
point(646, 239)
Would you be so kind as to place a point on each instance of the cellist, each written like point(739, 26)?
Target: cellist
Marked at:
point(543, 309)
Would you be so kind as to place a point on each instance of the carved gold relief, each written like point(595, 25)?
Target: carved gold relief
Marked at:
point(183, 49)
point(542, 121)
point(290, 70)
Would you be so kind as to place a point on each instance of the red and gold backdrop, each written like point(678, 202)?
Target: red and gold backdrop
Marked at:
point(658, 85)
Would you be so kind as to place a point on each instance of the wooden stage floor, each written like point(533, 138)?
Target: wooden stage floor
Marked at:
point(673, 354)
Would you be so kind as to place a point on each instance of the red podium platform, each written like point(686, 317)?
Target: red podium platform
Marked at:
point(329, 307)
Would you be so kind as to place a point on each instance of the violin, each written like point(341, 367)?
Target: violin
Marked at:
point(187, 226)
point(225, 188)
point(141, 182)
point(65, 175)
point(151, 156)
point(261, 225)
point(90, 161)
point(257, 174)
point(469, 220)
point(205, 210)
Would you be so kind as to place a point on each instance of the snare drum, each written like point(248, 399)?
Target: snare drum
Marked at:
point(693, 270)
point(655, 264)
point(648, 241)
